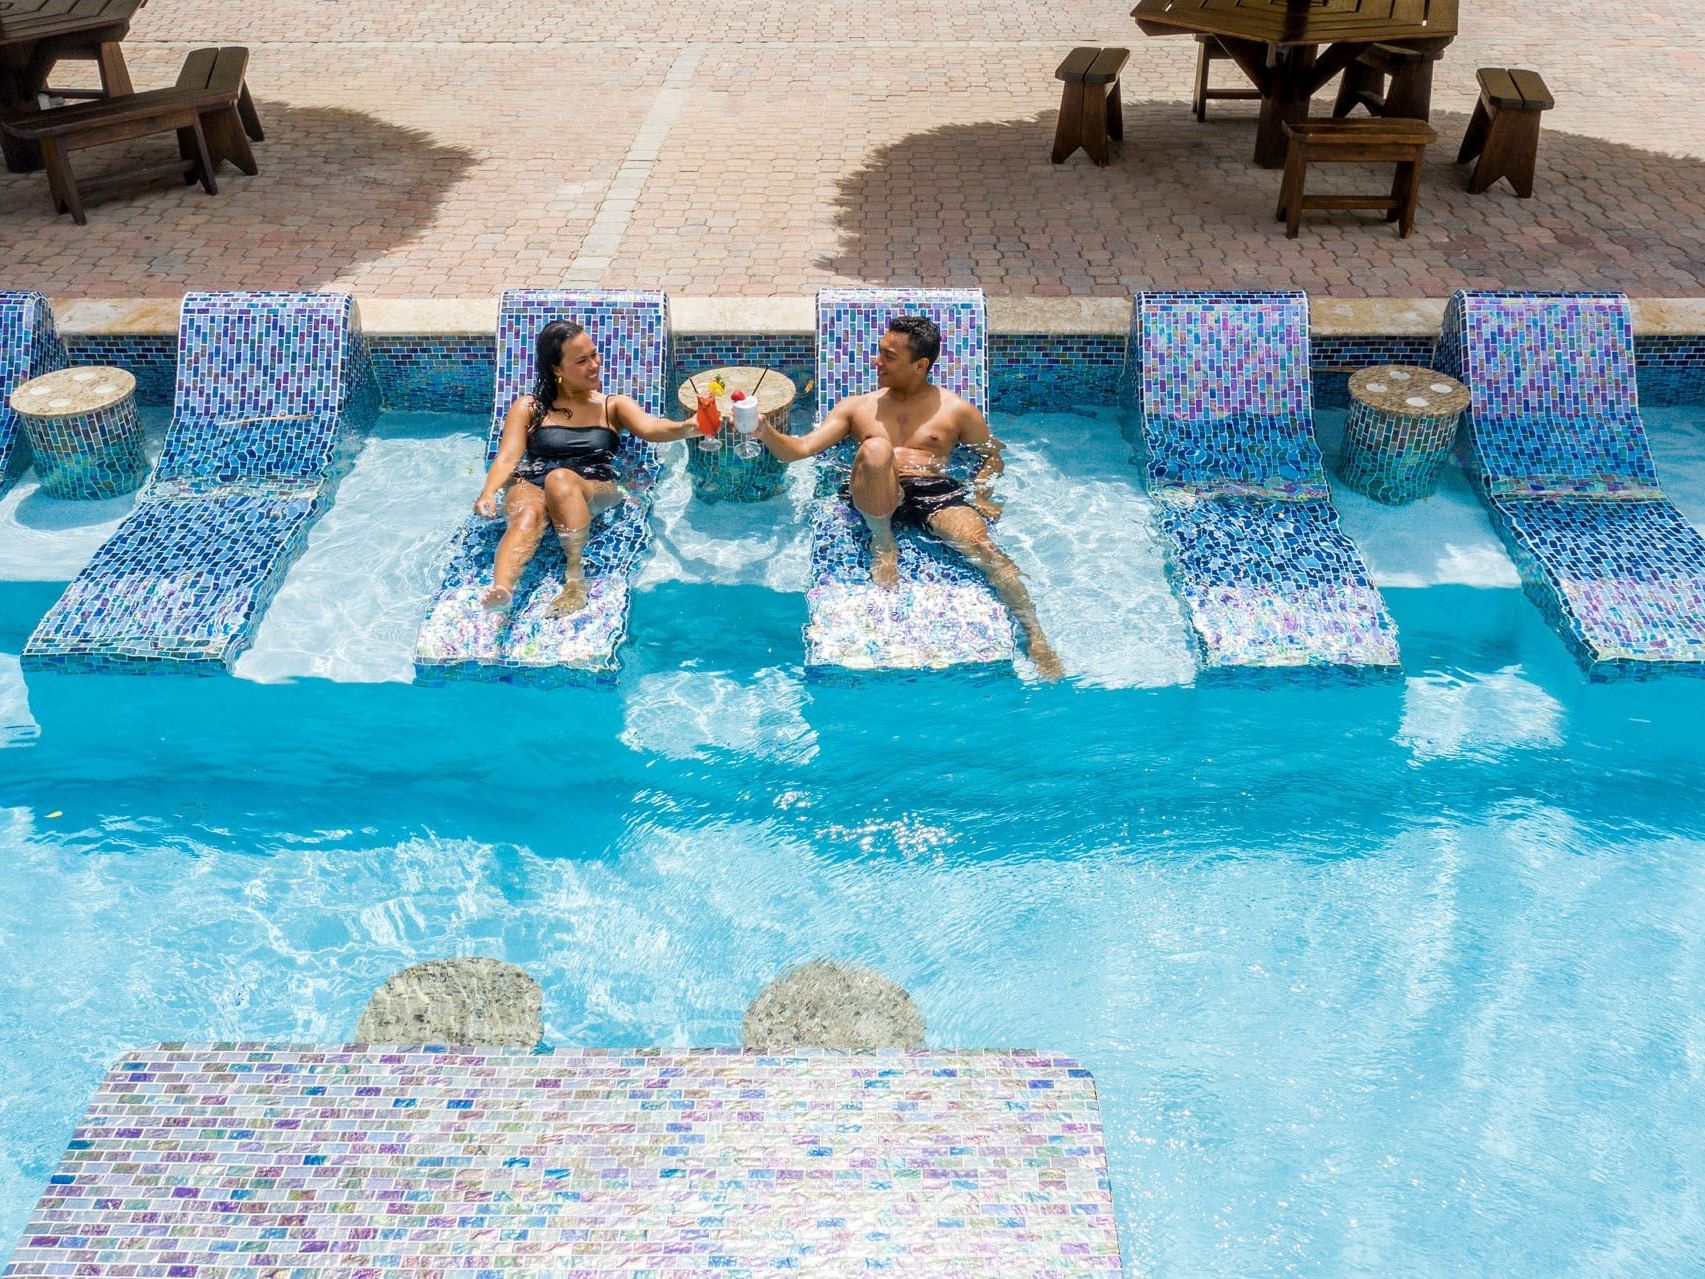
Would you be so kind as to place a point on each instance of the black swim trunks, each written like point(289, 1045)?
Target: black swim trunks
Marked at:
point(923, 496)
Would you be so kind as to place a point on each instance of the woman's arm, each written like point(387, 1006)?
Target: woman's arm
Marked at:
point(794, 448)
point(625, 411)
point(510, 447)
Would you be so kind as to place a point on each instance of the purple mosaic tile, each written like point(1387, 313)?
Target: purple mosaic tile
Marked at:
point(458, 637)
point(1254, 549)
point(1558, 453)
point(943, 613)
point(252, 1161)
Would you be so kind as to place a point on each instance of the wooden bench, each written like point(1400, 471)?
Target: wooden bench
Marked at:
point(1090, 112)
point(1209, 51)
point(209, 109)
point(1504, 132)
point(1383, 141)
point(1410, 72)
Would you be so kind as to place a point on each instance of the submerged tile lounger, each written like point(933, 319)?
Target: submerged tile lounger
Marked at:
point(274, 391)
point(1253, 546)
point(943, 613)
point(29, 347)
point(460, 638)
point(244, 1161)
point(1558, 453)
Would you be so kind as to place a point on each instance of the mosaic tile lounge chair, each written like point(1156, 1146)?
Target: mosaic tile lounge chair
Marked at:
point(274, 391)
point(1253, 546)
point(943, 612)
point(29, 347)
point(459, 638)
point(1558, 453)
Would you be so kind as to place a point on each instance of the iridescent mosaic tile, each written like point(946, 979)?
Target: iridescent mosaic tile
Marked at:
point(275, 392)
point(29, 347)
point(1254, 549)
point(458, 637)
point(150, 358)
point(249, 1162)
point(944, 614)
point(1558, 453)
point(435, 373)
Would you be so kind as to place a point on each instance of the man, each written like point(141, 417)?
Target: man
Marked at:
point(906, 430)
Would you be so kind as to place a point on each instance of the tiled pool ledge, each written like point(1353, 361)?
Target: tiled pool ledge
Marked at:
point(437, 354)
point(243, 1160)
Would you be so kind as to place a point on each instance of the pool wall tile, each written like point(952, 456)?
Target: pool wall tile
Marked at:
point(1268, 579)
point(459, 638)
point(942, 613)
point(151, 358)
point(256, 1160)
point(1558, 453)
point(30, 346)
point(274, 393)
point(441, 373)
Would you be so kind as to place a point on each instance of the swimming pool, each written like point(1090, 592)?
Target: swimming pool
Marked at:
point(1401, 977)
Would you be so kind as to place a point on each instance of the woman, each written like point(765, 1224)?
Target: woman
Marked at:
point(557, 456)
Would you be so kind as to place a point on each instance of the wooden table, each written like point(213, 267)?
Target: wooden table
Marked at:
point(1277, 44)
point(34, 34)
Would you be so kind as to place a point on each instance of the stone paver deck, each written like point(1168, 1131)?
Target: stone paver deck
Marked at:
point(770, 147)
point(243, 1162)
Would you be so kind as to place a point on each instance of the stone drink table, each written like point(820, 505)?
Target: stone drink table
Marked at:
point(1401, 424)
point(721, 473)
point(84, 432)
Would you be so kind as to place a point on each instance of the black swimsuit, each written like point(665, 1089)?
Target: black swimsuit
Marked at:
point(588, 451)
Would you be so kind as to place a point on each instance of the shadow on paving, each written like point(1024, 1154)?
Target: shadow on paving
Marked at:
point(336, 189)
point(1182, 205)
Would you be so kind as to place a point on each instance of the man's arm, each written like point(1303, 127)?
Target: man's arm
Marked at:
point(975, 435)
point(793, 448)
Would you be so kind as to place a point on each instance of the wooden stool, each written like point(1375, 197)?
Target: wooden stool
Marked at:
point(1411, 73)
point(1399, 142)
point(1504, 132)
point(1209, 51)
point(1090, 112)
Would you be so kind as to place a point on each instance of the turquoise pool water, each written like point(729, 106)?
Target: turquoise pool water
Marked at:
point(1407, 978)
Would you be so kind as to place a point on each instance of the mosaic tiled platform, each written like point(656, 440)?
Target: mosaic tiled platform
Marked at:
point(29, 347)
point(944, 613)
point(249, 1162)
point(274, 393)
point(1558, 452)
point(459, 638)
point(1254, 549)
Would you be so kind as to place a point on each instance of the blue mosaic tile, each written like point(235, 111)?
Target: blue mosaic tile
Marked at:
point(1558, 452)
point(435, 373)
point(150, 358)
point(95, 453)
point(1051, 372)
point(943, 612)
point(1671, 367)
point(1267, 577)
point(461, 639)
point(1336, 357)
point(29, 347)
point(185, 580)
point(1399, 431)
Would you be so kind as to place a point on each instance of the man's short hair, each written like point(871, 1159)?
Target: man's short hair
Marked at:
point(920, 334)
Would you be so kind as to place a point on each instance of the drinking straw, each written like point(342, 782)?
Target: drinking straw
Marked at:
point(761, 378)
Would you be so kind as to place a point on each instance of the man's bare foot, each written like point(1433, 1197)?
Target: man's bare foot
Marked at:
point(1046, 661)
point(499, 599)
point(571, 600)
point(885, 566)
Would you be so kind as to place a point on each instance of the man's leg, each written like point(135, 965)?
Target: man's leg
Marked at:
point(967, 532)
point(875, 494)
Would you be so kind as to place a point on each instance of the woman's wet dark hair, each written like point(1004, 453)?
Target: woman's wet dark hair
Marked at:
point(547, 354)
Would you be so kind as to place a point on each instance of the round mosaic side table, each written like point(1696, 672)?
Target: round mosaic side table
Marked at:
point(1399, 431)
point(728, 466)
point(84, 432)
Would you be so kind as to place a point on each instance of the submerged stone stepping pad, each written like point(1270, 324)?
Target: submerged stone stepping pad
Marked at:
point(483, 1002)
point(828, 1005)
point(250, 1160)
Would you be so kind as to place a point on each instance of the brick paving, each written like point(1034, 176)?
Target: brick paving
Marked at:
point(441, 149)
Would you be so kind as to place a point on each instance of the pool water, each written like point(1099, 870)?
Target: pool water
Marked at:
point(1398, 978)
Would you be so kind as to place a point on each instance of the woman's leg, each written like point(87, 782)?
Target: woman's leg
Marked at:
point(524, 506)
point(572, 500)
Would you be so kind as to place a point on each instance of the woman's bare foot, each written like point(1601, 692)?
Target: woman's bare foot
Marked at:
point(885, 566)
point(571, 600)
point(499, 599)
point(1046, 661)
